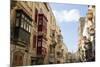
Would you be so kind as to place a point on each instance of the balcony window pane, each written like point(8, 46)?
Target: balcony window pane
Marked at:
point(18, 14)
point(39, 43)
point(27, 27)
point(22, 23)
point(22, 16)
point(17, 22)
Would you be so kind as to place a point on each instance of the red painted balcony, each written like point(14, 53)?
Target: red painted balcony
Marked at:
point(44, 52)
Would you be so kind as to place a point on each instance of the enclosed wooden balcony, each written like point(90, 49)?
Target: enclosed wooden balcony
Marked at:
point(90, 14)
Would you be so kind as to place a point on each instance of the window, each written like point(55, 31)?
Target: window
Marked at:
point(39, 50)
point(22, 23)
point(25, 26)
point(53, 34)
point(34, 41)
point(29, 28)
point(17, 22)
point(58, 53)
point(36, 15)
point(22, 16)
point(39, 43)
point(25, 23)
point(18, 14)
point(28, 21)
point(40, 22)
point(25, 20)
point(40, 28)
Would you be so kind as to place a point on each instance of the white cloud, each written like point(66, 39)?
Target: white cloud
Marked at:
point(67, 16)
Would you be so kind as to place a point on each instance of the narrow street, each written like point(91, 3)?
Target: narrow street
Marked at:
point(39, 37)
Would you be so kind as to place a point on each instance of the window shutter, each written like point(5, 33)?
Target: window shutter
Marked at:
point(36, 15)
point(34, 41)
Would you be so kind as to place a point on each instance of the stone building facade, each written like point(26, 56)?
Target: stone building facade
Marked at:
point(34, 33)
point(87, 37)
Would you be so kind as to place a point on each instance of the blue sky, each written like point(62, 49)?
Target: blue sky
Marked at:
point(67, 16)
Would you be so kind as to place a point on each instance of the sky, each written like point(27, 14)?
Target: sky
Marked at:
point(67, 17)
